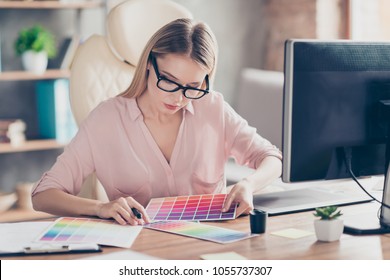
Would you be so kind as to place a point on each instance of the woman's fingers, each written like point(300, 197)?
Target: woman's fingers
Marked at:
point(135, 204)
point(243, 208)
point(125, 211)
point(121, 210)
point(240, 195)
point(228, 201)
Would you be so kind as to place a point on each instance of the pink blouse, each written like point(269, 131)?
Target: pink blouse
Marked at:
point(115, 143)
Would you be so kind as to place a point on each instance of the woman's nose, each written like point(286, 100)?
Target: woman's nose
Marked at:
point(179, 97)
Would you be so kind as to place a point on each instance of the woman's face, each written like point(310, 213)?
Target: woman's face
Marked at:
point(179, 69)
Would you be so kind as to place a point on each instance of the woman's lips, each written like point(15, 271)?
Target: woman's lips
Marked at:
point(171, 107)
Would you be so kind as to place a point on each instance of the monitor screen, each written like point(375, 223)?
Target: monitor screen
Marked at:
point(332, 106)
point(331, 98)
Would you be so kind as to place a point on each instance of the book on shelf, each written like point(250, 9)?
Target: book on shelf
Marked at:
point(55, 63)
point(55, 118)
point(65, 54)
point(70, 52)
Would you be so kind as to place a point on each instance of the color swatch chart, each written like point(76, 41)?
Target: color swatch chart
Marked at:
point(70, 230)
point(200, 231)
point(194, 208)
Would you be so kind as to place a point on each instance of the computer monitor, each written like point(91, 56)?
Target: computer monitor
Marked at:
point(332, 107)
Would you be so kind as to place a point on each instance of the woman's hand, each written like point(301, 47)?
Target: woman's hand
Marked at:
point(242, 194)
point(267, 171)
point(120, 210)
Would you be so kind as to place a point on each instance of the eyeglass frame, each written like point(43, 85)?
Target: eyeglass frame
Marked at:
point(179, 86)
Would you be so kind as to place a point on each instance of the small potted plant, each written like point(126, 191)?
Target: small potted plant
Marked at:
point(329, 227)
point(35, 45)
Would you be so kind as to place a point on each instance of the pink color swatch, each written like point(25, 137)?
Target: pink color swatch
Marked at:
point(191, 208)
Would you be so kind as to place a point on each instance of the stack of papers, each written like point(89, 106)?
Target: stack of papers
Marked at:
point(64, 235)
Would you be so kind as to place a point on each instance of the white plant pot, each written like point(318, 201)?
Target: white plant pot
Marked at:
point(328, 230)
point(35, 62)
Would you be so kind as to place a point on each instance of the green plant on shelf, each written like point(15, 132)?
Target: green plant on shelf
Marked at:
point(37, 39)
point(327, 213)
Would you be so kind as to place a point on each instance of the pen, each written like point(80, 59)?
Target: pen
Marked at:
point(136, 213)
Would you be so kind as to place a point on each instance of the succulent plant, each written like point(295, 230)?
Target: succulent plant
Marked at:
point(327, 213)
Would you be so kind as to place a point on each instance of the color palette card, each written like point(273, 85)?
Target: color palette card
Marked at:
point(68, 230)
point(190, 208)
point(200, 231)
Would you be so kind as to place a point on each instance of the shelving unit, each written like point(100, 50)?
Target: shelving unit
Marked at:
point(32, 145)
point(19, 215)
point(23, 75)
point(50, 4)
point(49, 74)
point(6, 149)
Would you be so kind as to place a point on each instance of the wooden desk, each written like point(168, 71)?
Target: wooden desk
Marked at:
point(266, 246)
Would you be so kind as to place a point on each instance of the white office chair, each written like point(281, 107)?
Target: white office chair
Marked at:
point(104, 66)
point(259, 100)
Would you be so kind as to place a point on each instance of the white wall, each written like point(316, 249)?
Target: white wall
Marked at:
point(238, 27)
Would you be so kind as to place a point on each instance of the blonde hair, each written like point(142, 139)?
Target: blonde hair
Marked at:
point(181, 36)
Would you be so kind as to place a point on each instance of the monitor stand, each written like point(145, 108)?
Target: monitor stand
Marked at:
point(360, 231)
point(365, 225)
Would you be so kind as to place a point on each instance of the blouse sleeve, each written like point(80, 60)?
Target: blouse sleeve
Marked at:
point(71, 167)
point(242, 141)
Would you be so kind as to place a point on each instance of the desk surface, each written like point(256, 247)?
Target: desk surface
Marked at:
point(266, 246)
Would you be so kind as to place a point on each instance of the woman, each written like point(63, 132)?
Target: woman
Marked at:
point(166, 135)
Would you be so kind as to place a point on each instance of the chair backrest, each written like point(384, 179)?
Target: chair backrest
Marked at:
point(260, 102)
point(104, 66)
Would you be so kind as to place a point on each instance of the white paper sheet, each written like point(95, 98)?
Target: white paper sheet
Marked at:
point(16, 236)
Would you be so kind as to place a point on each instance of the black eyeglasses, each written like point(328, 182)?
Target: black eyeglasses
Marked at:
point(167, 85)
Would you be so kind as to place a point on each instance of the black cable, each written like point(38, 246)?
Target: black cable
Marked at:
point(348, 157)
point(356, 180)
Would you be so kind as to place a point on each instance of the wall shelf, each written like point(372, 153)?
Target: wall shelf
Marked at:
point(24, 75)
point(21, 215)
point(50, 4)
point(31, 145)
